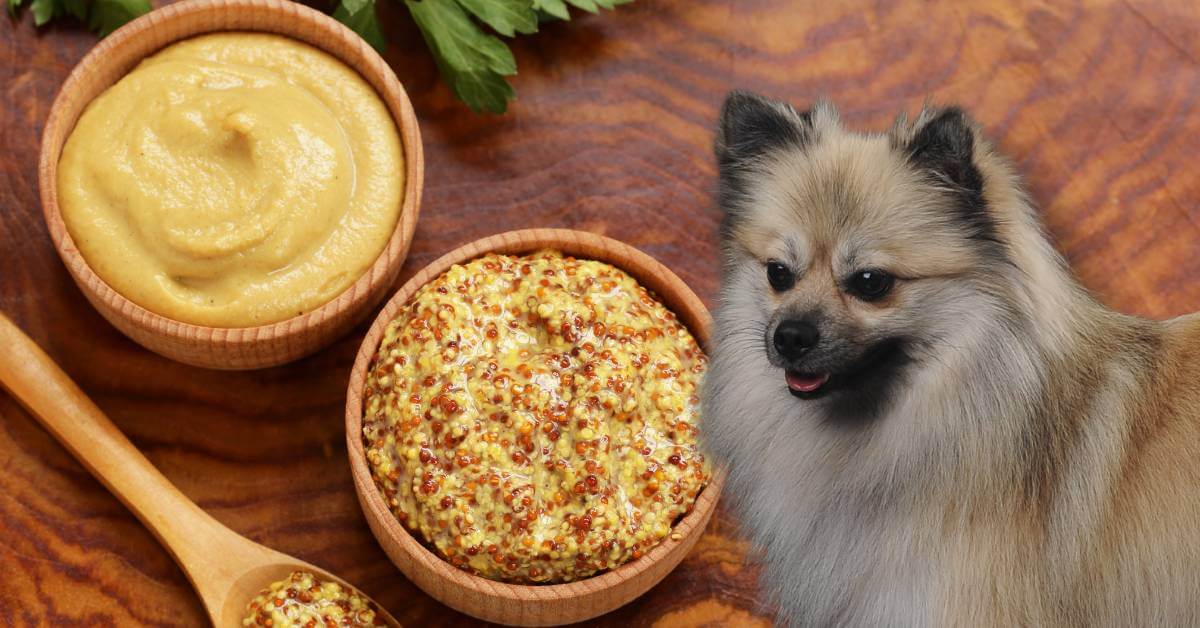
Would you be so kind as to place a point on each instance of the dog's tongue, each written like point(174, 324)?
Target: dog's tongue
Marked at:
point(805, 383)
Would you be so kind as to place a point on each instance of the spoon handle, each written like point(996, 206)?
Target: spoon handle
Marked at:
point(191, 535)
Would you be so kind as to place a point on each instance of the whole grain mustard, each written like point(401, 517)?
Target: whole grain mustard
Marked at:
point(303, 600)
point(534, 418)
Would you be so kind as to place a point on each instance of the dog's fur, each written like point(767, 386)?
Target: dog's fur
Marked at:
point(1001, 450)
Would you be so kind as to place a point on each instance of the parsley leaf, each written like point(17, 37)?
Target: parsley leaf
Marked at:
point(586, 5)
point(553, 8)
point(354, 6)
point(106, 16)
point(42, 11)
point(76, 8)
point(483, 91)
point(506, 17)
point(360, 16)
point(102, 16)
point(558, 8)
point(473, 62)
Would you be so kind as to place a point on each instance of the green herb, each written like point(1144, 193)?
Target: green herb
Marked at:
point(359, 15)
point(552, 8)
point(106, 16)
point(507, 17)
point(43, 10)
point(102, 16)
point(472, 60)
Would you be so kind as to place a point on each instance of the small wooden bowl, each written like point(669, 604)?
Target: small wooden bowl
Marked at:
point(243, 347)
point(527, 605)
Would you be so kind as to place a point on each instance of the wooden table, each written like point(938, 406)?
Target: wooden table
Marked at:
point(1097, 102)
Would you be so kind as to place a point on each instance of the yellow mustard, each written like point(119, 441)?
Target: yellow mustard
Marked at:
point(233, 180)
point(534, 418)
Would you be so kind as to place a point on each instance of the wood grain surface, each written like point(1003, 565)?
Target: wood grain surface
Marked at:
point(1097, 102)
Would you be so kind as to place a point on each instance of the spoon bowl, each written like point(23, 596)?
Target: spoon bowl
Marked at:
point(271, 569)
point(226, 569)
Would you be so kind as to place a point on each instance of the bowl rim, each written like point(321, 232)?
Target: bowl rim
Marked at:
point(649, 272)
point(394, 97)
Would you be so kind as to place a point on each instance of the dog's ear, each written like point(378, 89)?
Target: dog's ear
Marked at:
point(943, 144)
point(750, 125)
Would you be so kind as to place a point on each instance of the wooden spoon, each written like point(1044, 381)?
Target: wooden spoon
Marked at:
point(226, 569)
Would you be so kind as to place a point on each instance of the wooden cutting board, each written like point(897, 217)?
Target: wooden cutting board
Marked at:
point(1096, 101)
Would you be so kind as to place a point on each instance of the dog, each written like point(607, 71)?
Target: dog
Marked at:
point(925, 419)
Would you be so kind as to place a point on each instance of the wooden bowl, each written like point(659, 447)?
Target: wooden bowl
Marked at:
point(244, 347)
point(527, 605)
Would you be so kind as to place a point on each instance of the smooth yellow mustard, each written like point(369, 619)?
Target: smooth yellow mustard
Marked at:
point(233, 180)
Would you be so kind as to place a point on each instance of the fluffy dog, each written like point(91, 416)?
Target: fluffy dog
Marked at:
point(925, 419)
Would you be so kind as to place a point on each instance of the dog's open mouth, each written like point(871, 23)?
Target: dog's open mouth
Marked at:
point(806, 385)
point(883, 361)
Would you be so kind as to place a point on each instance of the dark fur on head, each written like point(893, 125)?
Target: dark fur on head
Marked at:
point(944, 147)
point(749, 128)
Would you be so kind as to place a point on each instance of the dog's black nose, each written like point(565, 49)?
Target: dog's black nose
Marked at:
point(794, 338)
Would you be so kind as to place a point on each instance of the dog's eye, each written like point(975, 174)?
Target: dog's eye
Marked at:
point(869, 285)
point(780, 277)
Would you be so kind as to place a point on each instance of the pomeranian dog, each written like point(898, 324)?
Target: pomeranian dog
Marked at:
point(925, 419)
